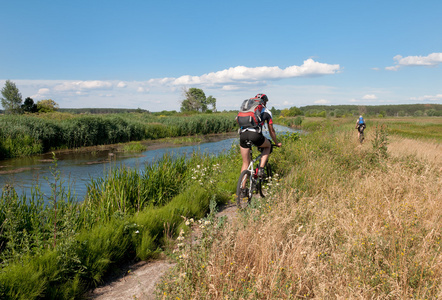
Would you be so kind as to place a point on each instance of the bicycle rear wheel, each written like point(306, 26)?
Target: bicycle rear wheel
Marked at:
point(264, 182)
point(361, 137)
point(243, 189)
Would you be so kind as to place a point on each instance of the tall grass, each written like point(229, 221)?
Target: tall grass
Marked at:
point(28, 135)
point(348, 221)
point(60, 250)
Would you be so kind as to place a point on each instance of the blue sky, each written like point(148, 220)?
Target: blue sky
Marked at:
point(142, 54)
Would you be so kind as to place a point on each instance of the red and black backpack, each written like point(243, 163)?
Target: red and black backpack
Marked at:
point(249, 115)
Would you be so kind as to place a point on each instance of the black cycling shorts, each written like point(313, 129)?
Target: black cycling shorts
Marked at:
point(256, 138)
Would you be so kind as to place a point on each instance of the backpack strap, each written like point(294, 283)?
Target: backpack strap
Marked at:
point(253, 129)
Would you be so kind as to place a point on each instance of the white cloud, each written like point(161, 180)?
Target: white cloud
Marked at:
point(121, 84)
point(370, 97)
point(76, 86)
point(245, 75)
point(41, 93)
point(392, 68)
point(227, 86)
point(431, 60)
point(142, 89)
point(322, 101)
point(437, 97)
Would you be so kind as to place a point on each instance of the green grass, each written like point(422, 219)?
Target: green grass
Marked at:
point(65, 248)
point(134, 147)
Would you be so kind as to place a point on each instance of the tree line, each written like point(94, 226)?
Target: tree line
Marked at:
point(339, 111)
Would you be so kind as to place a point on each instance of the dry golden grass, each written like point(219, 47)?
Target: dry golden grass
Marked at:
point(335, 230)
point(423, 150)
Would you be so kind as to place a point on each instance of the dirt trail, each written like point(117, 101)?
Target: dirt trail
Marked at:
point(140, 280)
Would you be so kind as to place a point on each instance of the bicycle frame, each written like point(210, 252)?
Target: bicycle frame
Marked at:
point(252, 171)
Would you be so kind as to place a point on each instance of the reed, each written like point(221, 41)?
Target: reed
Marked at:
point(29, 135)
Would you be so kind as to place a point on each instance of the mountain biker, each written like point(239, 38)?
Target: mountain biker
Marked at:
point(360, 126)
point(255, 135)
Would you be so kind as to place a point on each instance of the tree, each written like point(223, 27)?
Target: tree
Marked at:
point(196, 100)
point(47, 105)
point(11, 99)
point(211, 101)
point(29, 106)
point(291, 112)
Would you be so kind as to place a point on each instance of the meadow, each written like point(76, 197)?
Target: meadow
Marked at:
point(347, 221)
point(344, 220)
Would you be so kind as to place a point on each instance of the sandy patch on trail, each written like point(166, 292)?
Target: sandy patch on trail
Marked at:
point(140, 282)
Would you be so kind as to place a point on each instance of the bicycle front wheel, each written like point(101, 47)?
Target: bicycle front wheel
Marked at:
point(243, 189)
point(265, 181)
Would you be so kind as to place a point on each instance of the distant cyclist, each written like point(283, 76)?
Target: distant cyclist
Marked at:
point(253, 132)
point(360, 126)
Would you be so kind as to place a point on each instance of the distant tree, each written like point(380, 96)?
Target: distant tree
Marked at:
point(291, 112)
point(196, 100)
point(11, 99)
point(211, 101)
point(29, 106)
point(418, 113)
point(322, 114)
point(339, 113)
point(45, 106)
point(431, 112)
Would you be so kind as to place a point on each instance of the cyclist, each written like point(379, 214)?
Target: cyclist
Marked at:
point(254, 135)
point(360, 126)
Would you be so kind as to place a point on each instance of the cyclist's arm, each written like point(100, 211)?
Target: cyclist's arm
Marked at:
point(267, 117)
point(273, 134)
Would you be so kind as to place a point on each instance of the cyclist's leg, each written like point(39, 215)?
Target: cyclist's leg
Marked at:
point(244, 145)
point(265, 152)
point(245, 154)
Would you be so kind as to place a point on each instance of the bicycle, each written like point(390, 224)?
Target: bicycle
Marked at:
point(361, 134)
point(249, 182)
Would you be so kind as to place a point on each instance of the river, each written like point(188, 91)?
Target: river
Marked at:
point(78, 167)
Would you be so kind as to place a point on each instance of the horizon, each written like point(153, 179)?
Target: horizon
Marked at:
point(142, 54)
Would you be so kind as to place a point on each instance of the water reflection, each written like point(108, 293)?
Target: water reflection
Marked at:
point(79, 167)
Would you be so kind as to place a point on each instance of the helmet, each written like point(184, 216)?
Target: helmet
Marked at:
point(263, 97)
